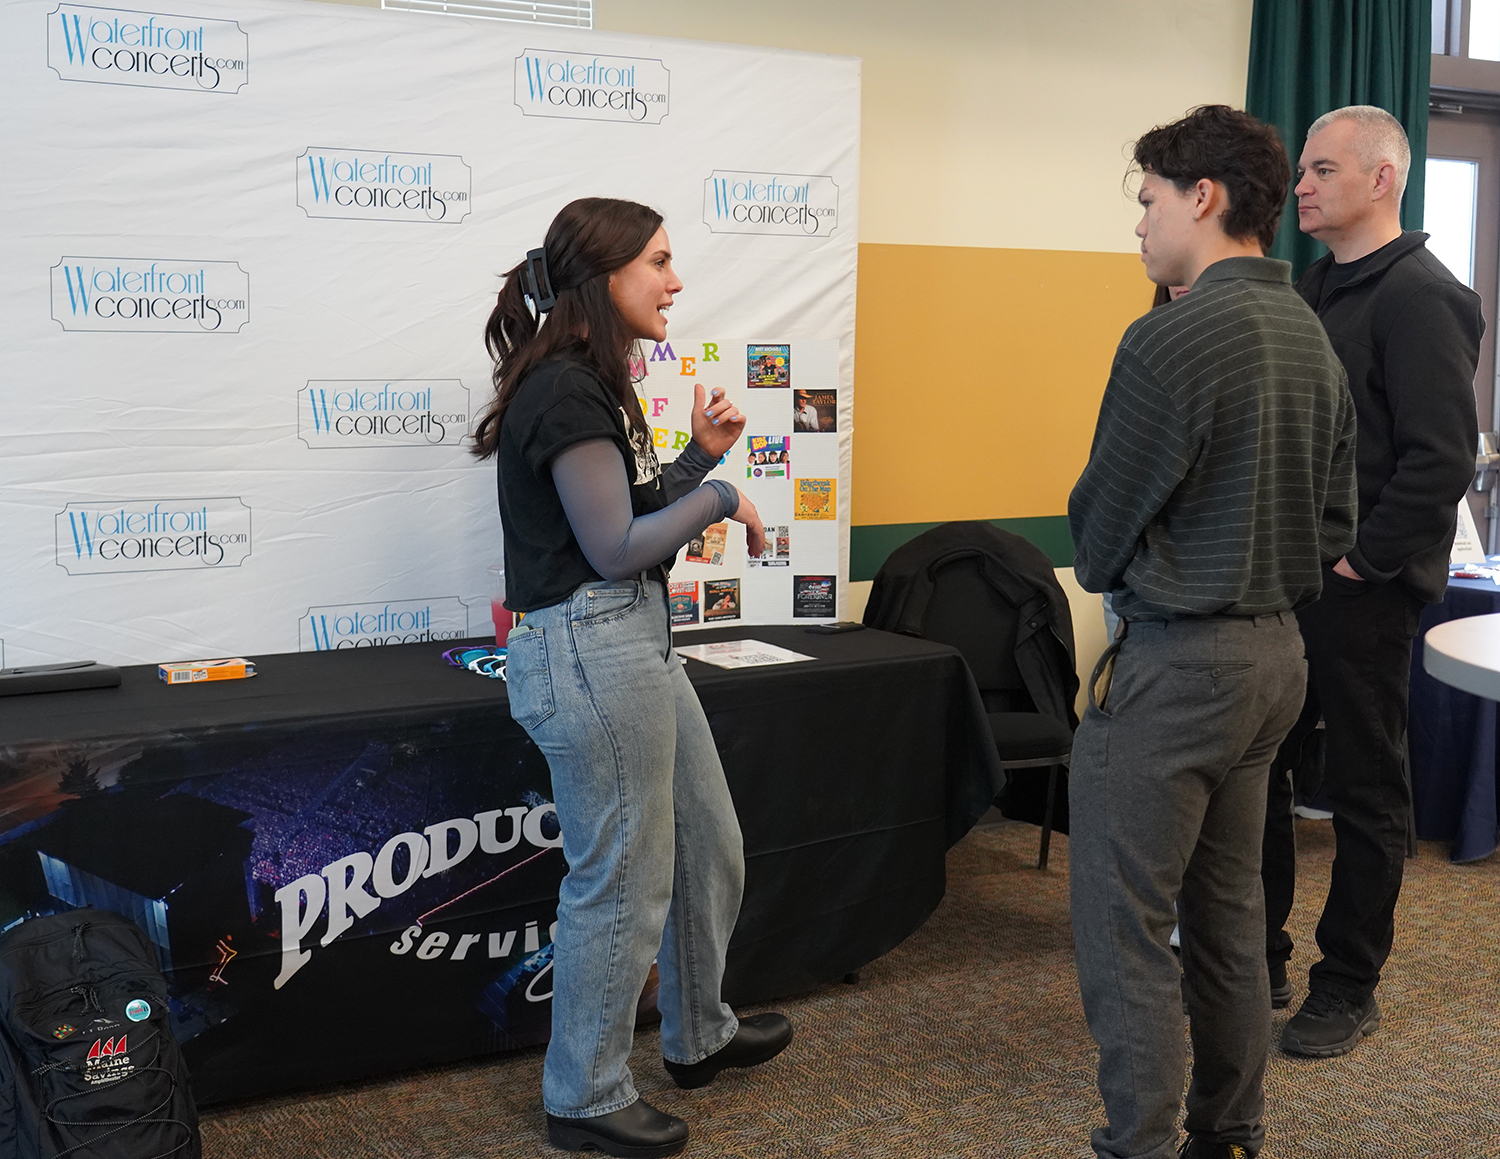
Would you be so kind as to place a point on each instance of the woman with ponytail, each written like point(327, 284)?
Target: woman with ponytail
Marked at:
point(592, 523)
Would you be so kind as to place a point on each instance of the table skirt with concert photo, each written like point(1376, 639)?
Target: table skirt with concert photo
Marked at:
point(349, 865)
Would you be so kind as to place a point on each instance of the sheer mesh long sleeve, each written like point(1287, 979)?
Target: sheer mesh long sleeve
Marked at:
point(595, 492)
point(680, 477)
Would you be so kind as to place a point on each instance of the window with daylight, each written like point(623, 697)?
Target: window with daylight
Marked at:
point(1484, 30)
point(566, 13)
point(1461, 216)
point(1462, 209)
point(1452, 213)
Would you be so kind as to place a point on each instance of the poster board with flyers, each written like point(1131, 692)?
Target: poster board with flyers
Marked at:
point(240, 339)
point(797, 481)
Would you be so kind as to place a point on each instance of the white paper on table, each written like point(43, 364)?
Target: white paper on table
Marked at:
point(741, 654)
point(1466, 545)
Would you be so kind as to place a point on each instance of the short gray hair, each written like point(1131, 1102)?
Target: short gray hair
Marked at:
point(1378, 137)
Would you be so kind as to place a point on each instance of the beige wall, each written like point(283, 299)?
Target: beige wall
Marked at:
point(993, 122)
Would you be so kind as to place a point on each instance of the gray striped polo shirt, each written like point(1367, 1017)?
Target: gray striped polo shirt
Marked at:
point(1222, 470)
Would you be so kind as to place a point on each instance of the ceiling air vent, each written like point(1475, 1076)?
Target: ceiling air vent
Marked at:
point(564, 13)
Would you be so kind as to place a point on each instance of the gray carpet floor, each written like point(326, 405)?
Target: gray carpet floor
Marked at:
point(968, 1040)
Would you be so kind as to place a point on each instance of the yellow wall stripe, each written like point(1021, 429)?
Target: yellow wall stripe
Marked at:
point(979, 374)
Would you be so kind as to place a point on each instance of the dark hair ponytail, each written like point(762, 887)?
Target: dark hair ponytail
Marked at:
point(587, 241)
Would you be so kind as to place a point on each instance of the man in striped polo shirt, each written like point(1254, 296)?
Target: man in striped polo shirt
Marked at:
point(1221, 478)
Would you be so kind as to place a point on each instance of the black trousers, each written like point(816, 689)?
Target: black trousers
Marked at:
point(1359, 638)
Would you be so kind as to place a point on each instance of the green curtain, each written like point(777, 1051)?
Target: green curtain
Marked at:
point(1310, 56)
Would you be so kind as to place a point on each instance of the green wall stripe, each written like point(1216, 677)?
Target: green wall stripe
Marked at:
point(869, 545)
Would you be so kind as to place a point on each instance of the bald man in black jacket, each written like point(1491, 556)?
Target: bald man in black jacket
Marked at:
point(1407, 332)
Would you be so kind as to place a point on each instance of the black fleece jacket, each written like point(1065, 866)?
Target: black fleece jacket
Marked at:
point(1407, 332)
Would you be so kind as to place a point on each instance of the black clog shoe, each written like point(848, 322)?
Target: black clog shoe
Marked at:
point(760, 1037)
point(638, 1131)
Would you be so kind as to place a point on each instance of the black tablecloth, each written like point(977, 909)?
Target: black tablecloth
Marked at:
point(1452, 740)
point(199, 809)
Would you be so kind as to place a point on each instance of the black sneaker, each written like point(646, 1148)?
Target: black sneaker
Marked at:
point(1281, 988)
point(1328, 1026)
point(1195, 1148)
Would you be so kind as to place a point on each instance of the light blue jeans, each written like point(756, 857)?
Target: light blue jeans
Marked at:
point(655, 861)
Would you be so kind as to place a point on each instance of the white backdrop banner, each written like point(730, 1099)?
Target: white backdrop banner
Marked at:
point(219, 273)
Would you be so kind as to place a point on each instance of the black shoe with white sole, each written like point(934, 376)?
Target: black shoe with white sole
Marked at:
point(1327, 1025)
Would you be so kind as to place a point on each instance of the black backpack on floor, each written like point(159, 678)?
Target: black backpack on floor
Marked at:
point(88, 1063)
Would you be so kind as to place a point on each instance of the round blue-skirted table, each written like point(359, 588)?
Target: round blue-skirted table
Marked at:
point(1452, 738)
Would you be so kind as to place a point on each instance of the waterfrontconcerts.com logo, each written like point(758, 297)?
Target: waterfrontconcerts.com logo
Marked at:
point(381, 622)
point(131, 295)
point(378, 413)
point(779, 203)
point(118, 46)
point(375, 186)
point(152, 535)
point(581, 86)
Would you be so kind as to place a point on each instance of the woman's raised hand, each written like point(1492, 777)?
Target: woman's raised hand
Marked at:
point(717, 422)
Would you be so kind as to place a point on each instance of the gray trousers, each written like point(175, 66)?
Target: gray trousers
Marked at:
point(1167, 795)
